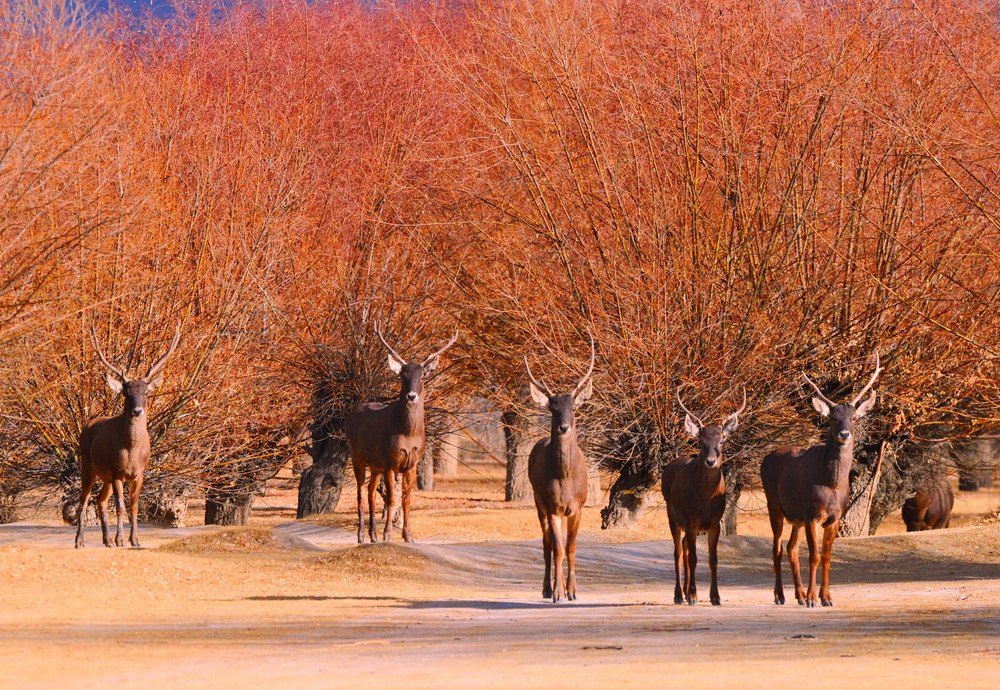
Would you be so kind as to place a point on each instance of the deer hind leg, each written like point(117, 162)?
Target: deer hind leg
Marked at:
point(556, 538)
point(543, 520)
point(373, 480)
point(390, 503)
point(409, 479)
point(679, 562)
point(713, 562)
point(120, 511)
point(102, 511)
point(813, 562)
point(794, 539)
point(572, 526)
point(134, 487)
point(777, 526)
point(86, 487)
point(829, 534)
point(359, 479)
point(691, 543)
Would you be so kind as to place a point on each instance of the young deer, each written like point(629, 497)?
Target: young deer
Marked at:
point(930, 507)
point(695, 492)
point(116, 449)
point(557, 470)
point(390, 439)
point(810, 487)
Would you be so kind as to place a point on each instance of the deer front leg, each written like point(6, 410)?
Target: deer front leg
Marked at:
point(86, 487)
point(713, 563)
point(359, 480)
point(679, 563)
point(829, 534)
point(777, 525)
point(134, 487)
point(373, 480)
point(120, 510)
point(572, 526)
point(810, 528)
point(690, 542)
point(543, 520)
point(556, 538)
point(409, 479)
point(390, 503)
point(794, 539)
point(102, 512)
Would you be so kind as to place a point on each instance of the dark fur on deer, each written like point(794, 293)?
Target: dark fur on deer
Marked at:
point(695, 492)
point(390, 439)
point(557, 470)
point(809, 487)
point(115, 450)
point(930, 507)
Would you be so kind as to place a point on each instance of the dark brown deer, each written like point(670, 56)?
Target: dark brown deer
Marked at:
point(809, 487)
point(695, 492)
point(116, 449)
point(389, 440)
point(557, 470)
point(930, 507)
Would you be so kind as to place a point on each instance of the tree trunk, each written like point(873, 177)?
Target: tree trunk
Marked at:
point(446, 455)
point(627, 497)
point(974, 479)
point(733, 474)
point(517, 487)
point(228, 506)
point(595, 495)
point(856, 520)
point(8, 509)
point(322, 482)
point(425, 469)
point(163, 508)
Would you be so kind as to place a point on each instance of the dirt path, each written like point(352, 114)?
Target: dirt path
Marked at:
point(294, 605)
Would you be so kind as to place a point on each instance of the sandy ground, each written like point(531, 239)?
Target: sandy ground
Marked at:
point(297, 604)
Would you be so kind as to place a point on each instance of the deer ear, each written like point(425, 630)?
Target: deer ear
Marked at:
point(395, 365)
point(538, 396)
point(865, 407)
point(585, 394)
point(730, 427)
point(431, 364)
point(821, 407)
point(691, 426)
point(114, 384)
point(154, 383)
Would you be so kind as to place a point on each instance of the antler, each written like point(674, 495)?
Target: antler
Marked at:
point(593, 357)
point(388, 347)
point(693, 416)
point(736, 414)
point(871, 382)
point(441, 351)
point(115, 370)
point(538, 384)
point(819, 393)
point(158, 364)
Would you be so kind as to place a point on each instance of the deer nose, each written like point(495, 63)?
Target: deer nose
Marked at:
point(411, 396)
point(844, 435)
point(137, 411)
point(563, 428)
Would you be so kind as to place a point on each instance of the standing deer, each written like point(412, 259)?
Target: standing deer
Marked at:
point(695, 492)
point(809, 487)
point(558, 474)
point(116, 449)
point(389, 440)
point(930, 507)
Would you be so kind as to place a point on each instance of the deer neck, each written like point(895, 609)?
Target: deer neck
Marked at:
point(410, 416)
point(836, 464)
point(709, 478)
point(132, 429)
point(562, 450)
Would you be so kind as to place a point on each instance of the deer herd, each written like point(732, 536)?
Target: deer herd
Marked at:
point(807, 487)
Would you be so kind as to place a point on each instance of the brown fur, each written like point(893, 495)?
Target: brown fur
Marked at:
point(930, 507)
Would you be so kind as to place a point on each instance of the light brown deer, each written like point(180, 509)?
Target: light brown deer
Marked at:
point(390, 439)
point(116, 449)
point(809, 487)
point(557, 470)
point(695, 492)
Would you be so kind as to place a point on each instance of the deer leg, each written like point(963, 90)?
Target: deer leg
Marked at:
point(829, 534)
point(777, 525)
point(690, 541)
point(679, 561)
point(543, 520)
point(120, 511)
point(794, 539)
point(572, 525)
point(359, 479)
point(555, 529)
point(86, 486)
point(409, 479)
point(713, 562)
point(390, 503)
point(102, 511)
point(134, 487)
point(813, 562)
point(373, 480)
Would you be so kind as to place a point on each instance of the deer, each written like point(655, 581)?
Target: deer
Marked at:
point(930, 507)
point(389, 439)
point(116, 449)
point(695, 492)
point(557, 470)
point(810, 487)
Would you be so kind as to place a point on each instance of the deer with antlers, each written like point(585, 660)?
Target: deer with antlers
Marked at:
point(116, 449)
point(695, 492)
point(557, 470)
point(809, 487)
point(389, 440)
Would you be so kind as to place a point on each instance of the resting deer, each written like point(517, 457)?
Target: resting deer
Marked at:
point(558, 474)
point(695, 492)
point(116, 449)
point(389, 440)
point(809, 487)
point(930, 507)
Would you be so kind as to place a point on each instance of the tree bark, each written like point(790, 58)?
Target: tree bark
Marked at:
point(229, 507)
point(733, 474)
point(856, 520)
point(595, 496)
point(446, 456)
point(425, 469)
point(517, 486)
point(627, 497)
point(322, 482)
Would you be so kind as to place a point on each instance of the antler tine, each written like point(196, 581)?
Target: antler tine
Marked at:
point(819, 393)
point(538, 384)
point(97, 346)
point(441, 351)
point(693, 416)
point(158, 364)
point(871, 382)
point(736, 414)
point(593, 358)
point(388, 347)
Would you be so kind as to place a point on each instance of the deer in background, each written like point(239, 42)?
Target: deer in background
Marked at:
point(390, 439)
point(695, 492)
point(930, 507)
point(557, 470)
point(809, 487)
point(116, 449)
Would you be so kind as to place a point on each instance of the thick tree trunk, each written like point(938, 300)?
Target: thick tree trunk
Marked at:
point(229, 507)
point(446, 455)
point(974, 479)
point(733, 474)
point(628, 494)
point(163, 508)
point(595, 495)
point(856, 520)
point(425, 469)
point(517, 487)
point(8, 509)
point(322, 482)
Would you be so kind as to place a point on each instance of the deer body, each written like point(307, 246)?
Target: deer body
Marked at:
point(930, 507)
point(389, 439)
point(557, 470)
point(810, 488)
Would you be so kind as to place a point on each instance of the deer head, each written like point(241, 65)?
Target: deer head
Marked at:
point(135, 391)
point(562, 407)
point(843, 416)
point(411, 375)
point(710, 438)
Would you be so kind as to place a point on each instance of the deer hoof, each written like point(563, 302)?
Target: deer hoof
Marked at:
point(692, 601)
point(779, 599)
point(716, 601)
point(678, 598)
point(827, 602)
point(556, 598)
point(810, 604)
point(136, 545)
